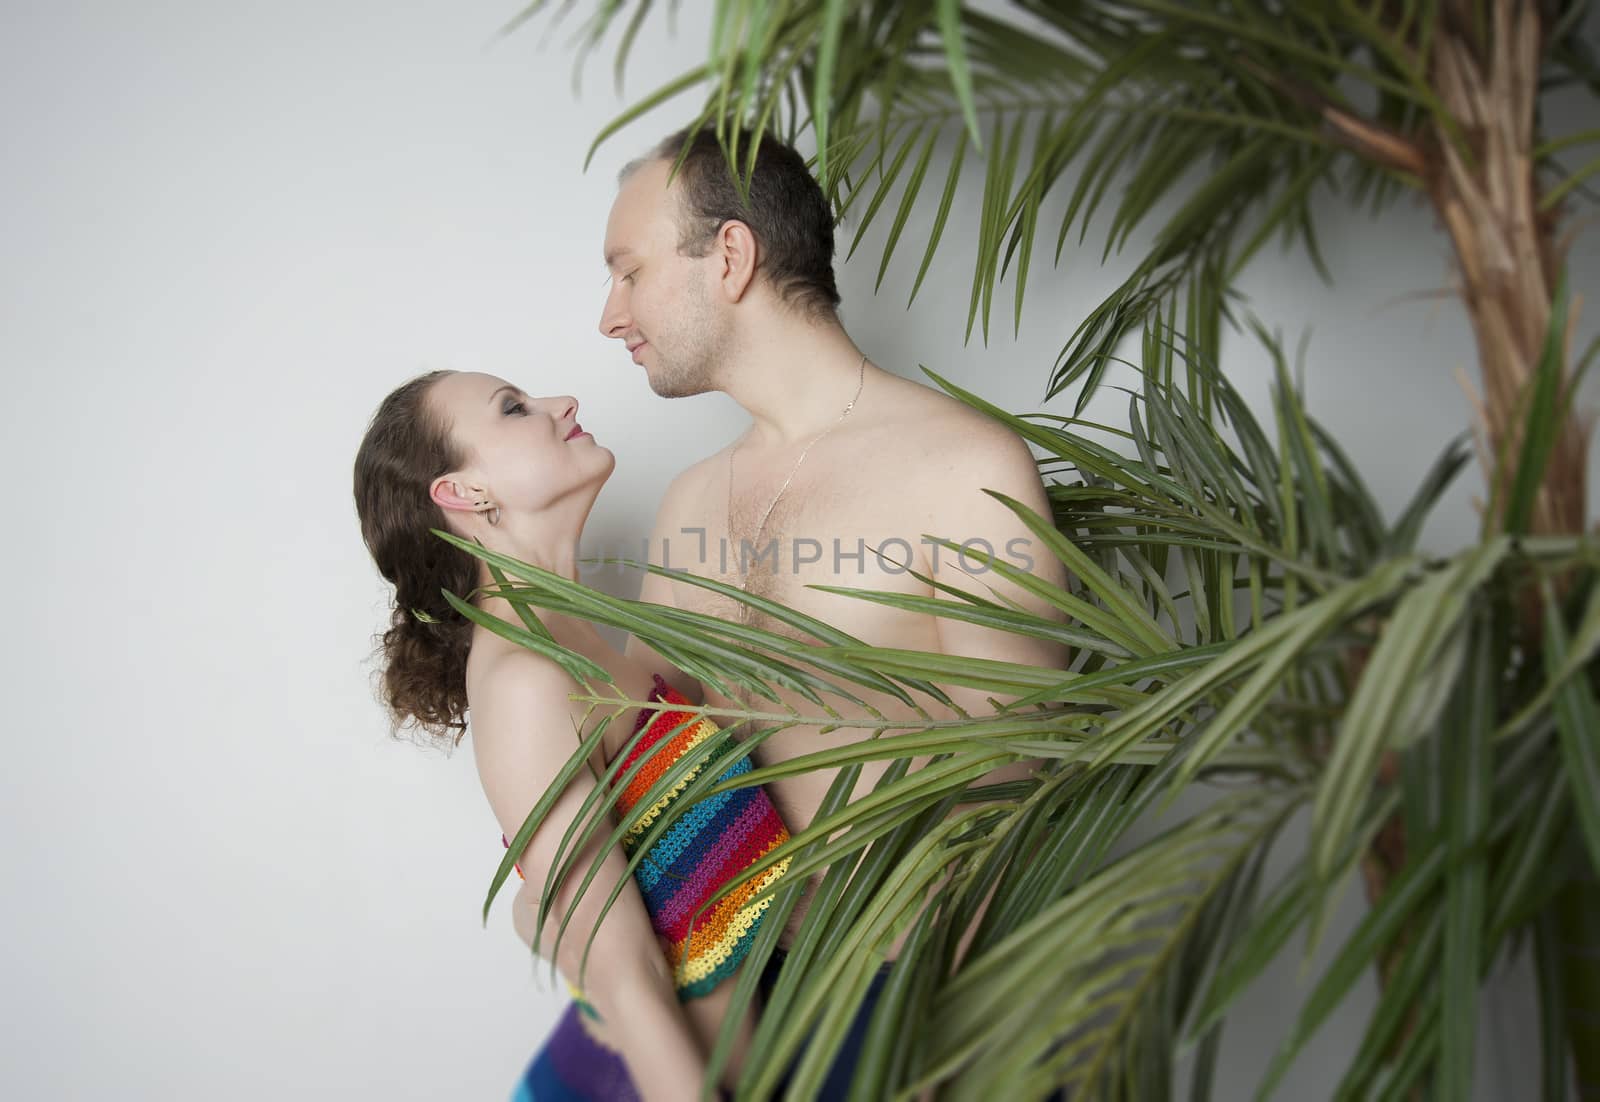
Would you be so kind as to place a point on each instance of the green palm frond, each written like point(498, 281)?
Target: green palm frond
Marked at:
point(1241, 614)
point(1130, 927)
point(1214, 615)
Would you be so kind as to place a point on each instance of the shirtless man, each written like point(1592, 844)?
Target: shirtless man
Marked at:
point(840, 458)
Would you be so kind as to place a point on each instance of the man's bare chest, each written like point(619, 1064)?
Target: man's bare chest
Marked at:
point(830, 530)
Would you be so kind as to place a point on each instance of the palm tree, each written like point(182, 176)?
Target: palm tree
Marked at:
point(1240, 607)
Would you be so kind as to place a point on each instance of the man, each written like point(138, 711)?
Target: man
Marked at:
point(844, 466)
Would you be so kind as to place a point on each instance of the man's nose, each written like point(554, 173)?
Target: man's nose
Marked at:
point(613, 316)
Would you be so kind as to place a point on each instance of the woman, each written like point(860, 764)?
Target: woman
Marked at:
point(473, 454)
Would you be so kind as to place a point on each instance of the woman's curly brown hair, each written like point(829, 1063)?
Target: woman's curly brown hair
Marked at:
point(405, 448)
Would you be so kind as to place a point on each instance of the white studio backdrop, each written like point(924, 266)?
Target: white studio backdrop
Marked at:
point(226, 230)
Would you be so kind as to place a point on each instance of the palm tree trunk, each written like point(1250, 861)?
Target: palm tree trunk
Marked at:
point(1482, 184)
point(1488, 199)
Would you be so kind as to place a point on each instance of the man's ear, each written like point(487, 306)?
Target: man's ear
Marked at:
point(740, 254)
point(453, 494)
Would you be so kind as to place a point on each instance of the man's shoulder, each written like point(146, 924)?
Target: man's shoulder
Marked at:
point(692, 484)
point(937, 435)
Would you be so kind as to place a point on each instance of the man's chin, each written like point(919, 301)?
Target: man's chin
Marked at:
point(668, 386)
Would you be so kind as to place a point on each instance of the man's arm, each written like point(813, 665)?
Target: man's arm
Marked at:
point(965, 514)
point(1005, 464)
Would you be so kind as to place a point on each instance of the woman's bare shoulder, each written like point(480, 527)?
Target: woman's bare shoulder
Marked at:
point(523, 729)
point(514, 693)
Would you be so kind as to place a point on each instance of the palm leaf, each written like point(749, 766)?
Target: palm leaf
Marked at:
point(1404, 686)
point(1578, 720)
point(1467, 815)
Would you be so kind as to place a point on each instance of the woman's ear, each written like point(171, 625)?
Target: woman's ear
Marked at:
point(739, 251)
point(447, 493)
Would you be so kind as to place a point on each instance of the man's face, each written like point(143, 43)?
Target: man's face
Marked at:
point(660, 305)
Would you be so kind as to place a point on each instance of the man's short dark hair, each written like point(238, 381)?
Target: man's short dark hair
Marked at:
point(787, 212)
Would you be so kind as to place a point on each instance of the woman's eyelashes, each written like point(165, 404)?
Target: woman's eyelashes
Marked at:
point(516, 407)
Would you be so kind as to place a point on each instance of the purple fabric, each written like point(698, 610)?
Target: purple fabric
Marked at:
point(573, 1067)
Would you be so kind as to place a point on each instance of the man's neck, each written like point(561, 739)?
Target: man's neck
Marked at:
point(794, 377)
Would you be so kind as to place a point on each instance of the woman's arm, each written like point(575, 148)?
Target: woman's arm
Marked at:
point(523, 732)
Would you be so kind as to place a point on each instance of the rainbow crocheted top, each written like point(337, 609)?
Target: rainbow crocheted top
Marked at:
point(708, 846)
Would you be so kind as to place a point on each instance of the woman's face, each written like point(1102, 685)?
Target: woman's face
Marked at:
point(526, 454)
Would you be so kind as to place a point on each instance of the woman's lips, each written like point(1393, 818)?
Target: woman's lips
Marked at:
point(577, 431)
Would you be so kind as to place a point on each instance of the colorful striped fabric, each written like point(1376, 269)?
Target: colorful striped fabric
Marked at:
point(709, 845)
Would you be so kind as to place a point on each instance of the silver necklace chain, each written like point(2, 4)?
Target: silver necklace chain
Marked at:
point(773, 504)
